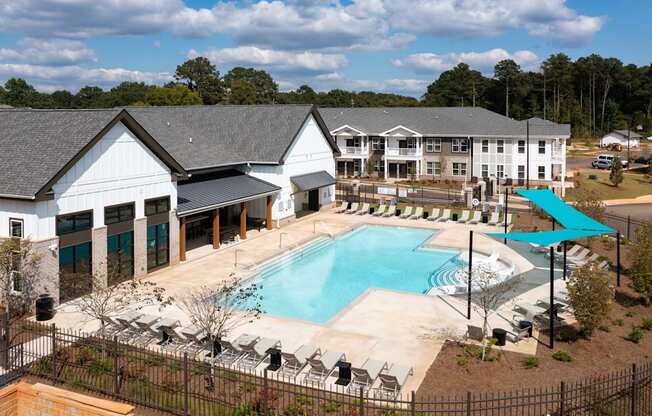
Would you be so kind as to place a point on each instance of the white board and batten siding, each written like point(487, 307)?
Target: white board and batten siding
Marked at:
point(310, 152)
point(118, 169)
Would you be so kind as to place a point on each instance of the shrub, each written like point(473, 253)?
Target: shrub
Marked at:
point(590, 295)
point(630, 314)
point(635, 336)
point(593, 177)
point(100, 367)
point(647, 324)
point(604, 328)
point(616, 175)
point(562, 356)
point(640, 252)
point(618, 322)
point(531, 362)
point(462, 361)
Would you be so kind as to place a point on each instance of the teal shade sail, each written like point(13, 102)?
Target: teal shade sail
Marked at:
point(546, 238)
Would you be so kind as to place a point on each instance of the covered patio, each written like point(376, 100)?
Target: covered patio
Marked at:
point(218, 211)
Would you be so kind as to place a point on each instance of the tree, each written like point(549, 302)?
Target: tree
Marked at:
point(457, 87)
point(640, 253)
point(19, 270)
point(127, 93)
point(263, 84)
point(616, 175)
point(18, 93)
point(490, 291)
point(200, 76)
point(175, 95)
point(90, 97)
point(590, 296)
point(505, 71)
point(242, 92)
point(590, 203)
point(218, 310)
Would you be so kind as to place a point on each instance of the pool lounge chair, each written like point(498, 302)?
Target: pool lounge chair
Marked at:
point(518, 334)
point(363, 210)
point(380, 211)
point(604, 265)
point(529, 310)
point(510, 218)
point(391, 211)
point(342, 207)
point(365, 376)
point(175, 342)
point(476, 218)
point(581, 256)
point(295, 362)
point(494, 219)
point(233, 351)
point(434, 214)
point(197, 340)
point(322, 365)
point(465, 216)
point(354, 208)
point(417, 214)
point(580, 263)
point(445, 216)
point(392, 381)
point(255, 355)
point(407, 213)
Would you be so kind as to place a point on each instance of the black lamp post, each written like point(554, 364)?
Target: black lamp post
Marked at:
point(468, 289)
point(551, 312)
point(506, 207)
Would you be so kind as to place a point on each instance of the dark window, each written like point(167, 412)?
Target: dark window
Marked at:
point(118, 213)
point(500, 146)
point(120, 257)
point(485, 146)
point(71, 223)
point(157, 206)
point(542, 172)
point(542, 147)
point(521, 146)
point(157, 246)
point(16, 228)
point(521, 171)
point(75, 266)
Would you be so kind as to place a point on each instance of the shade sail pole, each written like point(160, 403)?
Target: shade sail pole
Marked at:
point(468, 289)
point(618, 259)
point(506, 207)
point(552, 295)
point(564, 260)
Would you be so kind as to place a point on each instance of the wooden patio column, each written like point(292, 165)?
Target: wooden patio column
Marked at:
point(268, 217)
point(216, 229)
point(243, 220)
point(182, 239)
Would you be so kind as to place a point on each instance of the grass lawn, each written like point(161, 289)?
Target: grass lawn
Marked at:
point(634, 184)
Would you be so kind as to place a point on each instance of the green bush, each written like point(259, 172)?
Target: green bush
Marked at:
point(100, 367)
point(531, 362)
point(630, 314)
point(618, 322)
point(647, 324)
point(593, 177)
point(462, 361)
point(562, 356)
point(635, 336)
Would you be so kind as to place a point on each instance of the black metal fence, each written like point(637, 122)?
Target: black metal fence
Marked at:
point(182, 385)
point(415, 195)
point(625, 224)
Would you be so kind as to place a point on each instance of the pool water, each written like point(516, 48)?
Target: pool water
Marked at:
point(315, 282)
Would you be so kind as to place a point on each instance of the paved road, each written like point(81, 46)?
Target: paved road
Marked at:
point(584, 162)
point(636, 211)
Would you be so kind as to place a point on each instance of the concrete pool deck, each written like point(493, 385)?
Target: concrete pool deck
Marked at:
point(403, 328)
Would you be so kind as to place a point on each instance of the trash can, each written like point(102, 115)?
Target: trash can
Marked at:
point(485, 218)
point(274, 359)
point(500, 335)
point(44, 307)
point(343, 373)
point(454, 216)
point(526, 325)
point(371, 210)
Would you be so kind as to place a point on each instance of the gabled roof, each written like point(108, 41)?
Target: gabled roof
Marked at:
point(39, 146)
point(623, 133)
point(438, 121)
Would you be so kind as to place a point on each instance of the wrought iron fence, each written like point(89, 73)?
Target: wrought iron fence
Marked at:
point(625, 224)
point(185, 385)
point(415, 195)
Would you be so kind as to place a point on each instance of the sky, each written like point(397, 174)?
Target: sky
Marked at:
point(397, 46)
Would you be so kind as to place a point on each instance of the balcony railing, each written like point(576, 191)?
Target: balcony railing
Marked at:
point(401, 151)
point(351, 150)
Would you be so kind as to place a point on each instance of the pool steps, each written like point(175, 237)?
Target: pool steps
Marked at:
point(277, 264)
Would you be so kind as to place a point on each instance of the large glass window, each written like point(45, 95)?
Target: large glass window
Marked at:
point(485, 171)
point(377, 143)
point(118, 213)
point(157, 206)
point(460, 145)
point(75, 267)
point(72, 223)
point(542, 172)
point(459, 169)
point(500, 171)
point(120, 257)
point(157, 246)
point(433, 145)
point(521, 171)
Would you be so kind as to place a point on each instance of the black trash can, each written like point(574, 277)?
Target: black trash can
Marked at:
point(344, 373)
point(526, 325)
point(485, 218)
point(500, 335)
point(454, 216)
point(44, 307)
point(274, 359)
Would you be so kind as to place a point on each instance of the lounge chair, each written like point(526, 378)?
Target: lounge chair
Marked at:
point(365, 375)
point(417, 214)
point(407, 213)
point(353, 209)
point(464, 217)
point(392, 381)
point(529, 310)
point(233, 351)
point(494, 219)
point(391, 211)
point(297, 361)
point(255, 355)
point(604, 265)
point(380, 211)
point(175, 341)
point(445, 216)
point(476, 218)
point(322, 365)
point(363, 210)
point(342, 207)
point(518, 334)
point(576, 258)
point(509, 219)
point(474, 332)
point(197, 340)
point(434, 214)
point(580, 263)
point(560, 304)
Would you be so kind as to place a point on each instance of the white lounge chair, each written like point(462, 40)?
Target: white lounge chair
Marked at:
point(578, 257)
point(354, 208)
point(296, 361)
point(584, 262)
point(417, 214)
point(197, 340)
point(322, 365)
point(476, 218)
point(434, 214)
point(407, 213)
point(365, 375)
point(494, 219)
point(232, 351)
point(364, 210)
point(255, 355)
point(604, 265)
point(510, 218)
point(392, 381)
point(445, 216)
point(380, 211)
point(464, 217)
point(391, 211)
point(529, 310)
point(342, 207)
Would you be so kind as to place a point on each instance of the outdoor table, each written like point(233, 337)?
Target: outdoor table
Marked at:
point(500, 335)
point(523, 324)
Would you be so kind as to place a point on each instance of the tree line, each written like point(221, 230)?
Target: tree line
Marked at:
point(593, 93)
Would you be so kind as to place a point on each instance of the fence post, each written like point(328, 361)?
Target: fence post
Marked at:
point(5, 340)
point(116, 381)
point(53, 333)
point(633, 401)
point(265, 401)
point(468, 403)
point(186, 407)
point(629, 221)
point(22, 358)
point(413, 404)
point(562, 398)
point(361, 401)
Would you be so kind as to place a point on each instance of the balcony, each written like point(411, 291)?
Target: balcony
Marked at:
point(401, 151)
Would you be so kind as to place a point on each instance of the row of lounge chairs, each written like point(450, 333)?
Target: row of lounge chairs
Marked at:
point(576, 257)
point(437, 214)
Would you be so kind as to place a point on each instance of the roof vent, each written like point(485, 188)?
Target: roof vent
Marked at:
point(168, 123)
point(189, 139)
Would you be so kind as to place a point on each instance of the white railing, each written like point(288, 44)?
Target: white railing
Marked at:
point(352, 150)
point(401, 151)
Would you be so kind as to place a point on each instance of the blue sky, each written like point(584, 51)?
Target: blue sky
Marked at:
point(380, 45)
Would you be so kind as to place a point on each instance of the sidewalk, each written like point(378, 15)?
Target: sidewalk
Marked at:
point(643, 199)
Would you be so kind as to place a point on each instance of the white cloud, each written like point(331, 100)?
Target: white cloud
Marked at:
point(275, 60)
point(483, 61)
point(407, 85)
point(49, 52)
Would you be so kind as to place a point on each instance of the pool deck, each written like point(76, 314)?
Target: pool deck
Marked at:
point(404, 328)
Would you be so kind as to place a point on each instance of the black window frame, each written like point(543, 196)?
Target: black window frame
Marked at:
point(74, 216)
point(22, 227)
point(120, 209)
point(520, 172)
point(485, 146)
point(541, 175)
point(484, 171)
point(500, 146)
point(540, 147)
point(521, 146)
point(156, 201)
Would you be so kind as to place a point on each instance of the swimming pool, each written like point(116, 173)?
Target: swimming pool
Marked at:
point(317, 281)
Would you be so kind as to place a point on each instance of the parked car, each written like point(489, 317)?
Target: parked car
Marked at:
point(605, 162)
point(644, 159)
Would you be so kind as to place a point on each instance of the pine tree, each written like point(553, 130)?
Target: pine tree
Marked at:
point(616, 174)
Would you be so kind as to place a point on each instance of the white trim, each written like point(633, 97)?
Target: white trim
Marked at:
point(346, 126)
point(400, 126)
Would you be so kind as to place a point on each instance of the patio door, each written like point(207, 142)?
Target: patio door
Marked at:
point(313, 200)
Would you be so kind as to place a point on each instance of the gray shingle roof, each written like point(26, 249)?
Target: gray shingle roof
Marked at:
point(632, 134)
point(36, 144)
point(214, 193)
point(312, 180)
point(461, 121)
